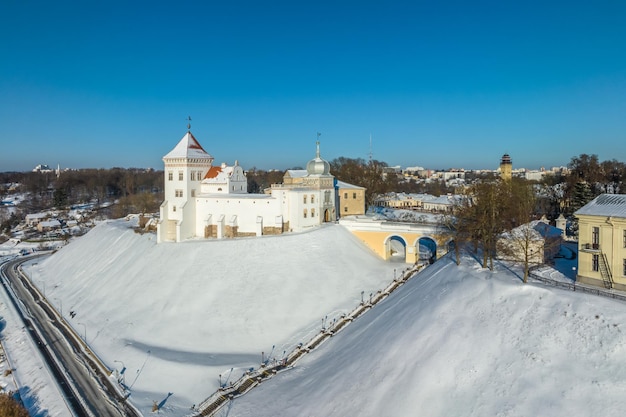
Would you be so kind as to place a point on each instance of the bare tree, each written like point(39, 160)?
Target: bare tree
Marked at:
point(522, 243)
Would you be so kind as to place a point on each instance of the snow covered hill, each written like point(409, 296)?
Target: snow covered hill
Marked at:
point(179, 315)
point(453, 341)
point(461, 341)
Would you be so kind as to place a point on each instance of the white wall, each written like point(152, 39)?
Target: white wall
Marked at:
point(247, 207)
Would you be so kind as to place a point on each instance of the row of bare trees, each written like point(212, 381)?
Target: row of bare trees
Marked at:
point(134, 189)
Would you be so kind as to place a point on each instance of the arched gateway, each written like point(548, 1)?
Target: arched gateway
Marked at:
point(409, 242)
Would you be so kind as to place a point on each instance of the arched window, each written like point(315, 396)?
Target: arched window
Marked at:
point(305, 213)
point(312, 198)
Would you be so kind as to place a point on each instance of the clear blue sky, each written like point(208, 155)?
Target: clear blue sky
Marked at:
point(438, 84)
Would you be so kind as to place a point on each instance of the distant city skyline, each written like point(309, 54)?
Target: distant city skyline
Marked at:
point(439, 85)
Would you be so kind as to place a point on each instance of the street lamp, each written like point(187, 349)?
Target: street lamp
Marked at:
point(85, 338)
point(122, 377)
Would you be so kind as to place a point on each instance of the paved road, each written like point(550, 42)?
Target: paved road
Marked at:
point(87, 390)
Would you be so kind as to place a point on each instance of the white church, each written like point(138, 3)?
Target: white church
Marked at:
point(207, 201)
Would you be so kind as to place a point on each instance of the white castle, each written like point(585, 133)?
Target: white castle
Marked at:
point(206, 201)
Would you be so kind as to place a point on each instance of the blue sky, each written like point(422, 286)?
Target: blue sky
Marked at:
point(438, 84)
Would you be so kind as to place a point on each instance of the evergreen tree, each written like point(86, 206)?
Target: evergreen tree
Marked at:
point(582, 195)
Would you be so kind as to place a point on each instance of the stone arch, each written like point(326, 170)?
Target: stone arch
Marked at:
point(395, 248)
point(427, 249)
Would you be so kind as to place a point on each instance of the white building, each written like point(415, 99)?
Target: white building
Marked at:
point(206, 201)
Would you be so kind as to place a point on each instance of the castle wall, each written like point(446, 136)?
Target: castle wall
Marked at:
point(243, 210)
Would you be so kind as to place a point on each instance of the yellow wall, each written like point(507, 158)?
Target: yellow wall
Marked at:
point(611, 244)
point(506, 171)
point(377, 241)
point(354, 206)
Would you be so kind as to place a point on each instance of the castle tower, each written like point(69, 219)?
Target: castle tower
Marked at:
point(319, 177)
point(185, 167)
point(506, 167)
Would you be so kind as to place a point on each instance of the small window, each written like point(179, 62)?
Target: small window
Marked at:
point(312, 212)
point(624, 268)
point(312, 198)
point(354, 196)
point(304, 200)
point(193, 176)
point(170, 176)
point(180, 175)
point(345, 195)
point(595, 266)
point(305, 213)
point(193, 193)
point(595, 237)
point(174, 208)
point(179, 193)
point(345, 209)
point(625, 238)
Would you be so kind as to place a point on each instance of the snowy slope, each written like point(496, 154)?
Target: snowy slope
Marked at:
point(460, 341)
point(194, 310)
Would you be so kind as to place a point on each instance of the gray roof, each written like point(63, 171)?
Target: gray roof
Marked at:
point(342, 184)
point(605, 205)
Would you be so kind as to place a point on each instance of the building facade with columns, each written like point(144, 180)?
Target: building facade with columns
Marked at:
point(207, 201)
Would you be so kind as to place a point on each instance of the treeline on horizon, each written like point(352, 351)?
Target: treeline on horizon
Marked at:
point(141, 190)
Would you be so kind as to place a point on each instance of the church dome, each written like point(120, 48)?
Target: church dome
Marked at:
point(318, 166)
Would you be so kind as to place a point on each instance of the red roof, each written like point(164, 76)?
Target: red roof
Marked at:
point(194, 144)
point(213, 172)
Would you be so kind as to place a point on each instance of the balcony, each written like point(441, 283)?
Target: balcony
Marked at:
point(590, 247)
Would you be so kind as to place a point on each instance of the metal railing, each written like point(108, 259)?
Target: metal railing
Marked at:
point(579, 287)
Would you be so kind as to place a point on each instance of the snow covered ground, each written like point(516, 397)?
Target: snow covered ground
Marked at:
point(453, 341)
point(461, 341)
point(24, 368)
point(179, 315)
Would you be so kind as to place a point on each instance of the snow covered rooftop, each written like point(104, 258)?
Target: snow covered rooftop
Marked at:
point(342, 184)
point(188, 147)
point(297, 173)
point(605, 205)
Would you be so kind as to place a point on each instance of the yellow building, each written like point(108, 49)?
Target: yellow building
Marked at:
point(506, 167)
point(602, 242)
point(351, 199)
